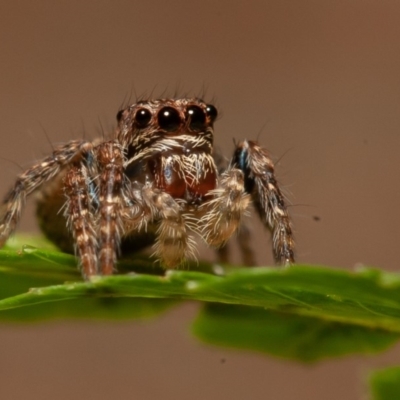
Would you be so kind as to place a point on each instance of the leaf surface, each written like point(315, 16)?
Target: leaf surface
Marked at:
point(302, 312)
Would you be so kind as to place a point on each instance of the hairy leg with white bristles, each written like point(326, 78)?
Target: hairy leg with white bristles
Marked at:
point(260, 182)
point(31, 180)
point(80, 218)
point(111, 184)
point(224, 212)
point(173, 242)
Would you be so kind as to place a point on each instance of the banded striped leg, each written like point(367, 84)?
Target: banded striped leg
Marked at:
point(79, 215)
point(260, 181)
point(32, 179)
point(110, 163)
point(225, 211)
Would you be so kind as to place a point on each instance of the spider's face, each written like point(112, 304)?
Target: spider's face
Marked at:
point(181, 120)
point(169, 142)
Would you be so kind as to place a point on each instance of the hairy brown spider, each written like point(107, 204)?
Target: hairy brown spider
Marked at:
point(157, 170)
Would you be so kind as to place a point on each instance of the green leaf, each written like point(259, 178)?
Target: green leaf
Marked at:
point(302, 312)
point(22, 269)
point(286, 335)
point(385, 384)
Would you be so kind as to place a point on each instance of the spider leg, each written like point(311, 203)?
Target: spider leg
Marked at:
point(225, 211)
point(80, 221)
point(173, 243)
point(111, 179)
point(221, 164)
point(243, 237)
point(260, 181)
point(32, 179)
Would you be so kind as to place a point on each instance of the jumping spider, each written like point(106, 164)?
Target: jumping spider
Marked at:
point(158, 170)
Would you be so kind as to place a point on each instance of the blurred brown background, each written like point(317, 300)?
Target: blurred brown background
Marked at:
point(317, 82)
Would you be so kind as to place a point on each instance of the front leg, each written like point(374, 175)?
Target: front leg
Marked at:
point(111, 181)
point(260, 181)
point(80, 217)
point(93, 188)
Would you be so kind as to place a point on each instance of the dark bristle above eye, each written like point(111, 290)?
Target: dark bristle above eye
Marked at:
point(212, 112)
point(142, 117)
point(169, 119)
point(196, 117)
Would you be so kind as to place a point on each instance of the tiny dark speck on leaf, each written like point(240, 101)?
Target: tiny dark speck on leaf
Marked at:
point(316, 218)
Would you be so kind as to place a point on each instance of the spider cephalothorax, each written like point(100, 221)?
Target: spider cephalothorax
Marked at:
point(158, 169)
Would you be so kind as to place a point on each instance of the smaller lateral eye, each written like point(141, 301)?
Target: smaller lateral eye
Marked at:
point(119, 115)
point(168, 119)
point(212, 112)
point(197, 118)
point(142, 117)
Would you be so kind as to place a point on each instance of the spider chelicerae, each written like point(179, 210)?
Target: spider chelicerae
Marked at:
point(157, 179)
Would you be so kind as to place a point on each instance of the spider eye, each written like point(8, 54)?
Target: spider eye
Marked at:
point(142, 117)
point(197, 118)
point(119, 115)
point(168, 119)
point(212, 112)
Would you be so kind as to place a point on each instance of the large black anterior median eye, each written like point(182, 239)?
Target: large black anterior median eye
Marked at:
point(168, 119)
point(211, 112)
point(197, 118)
point(142, 117)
